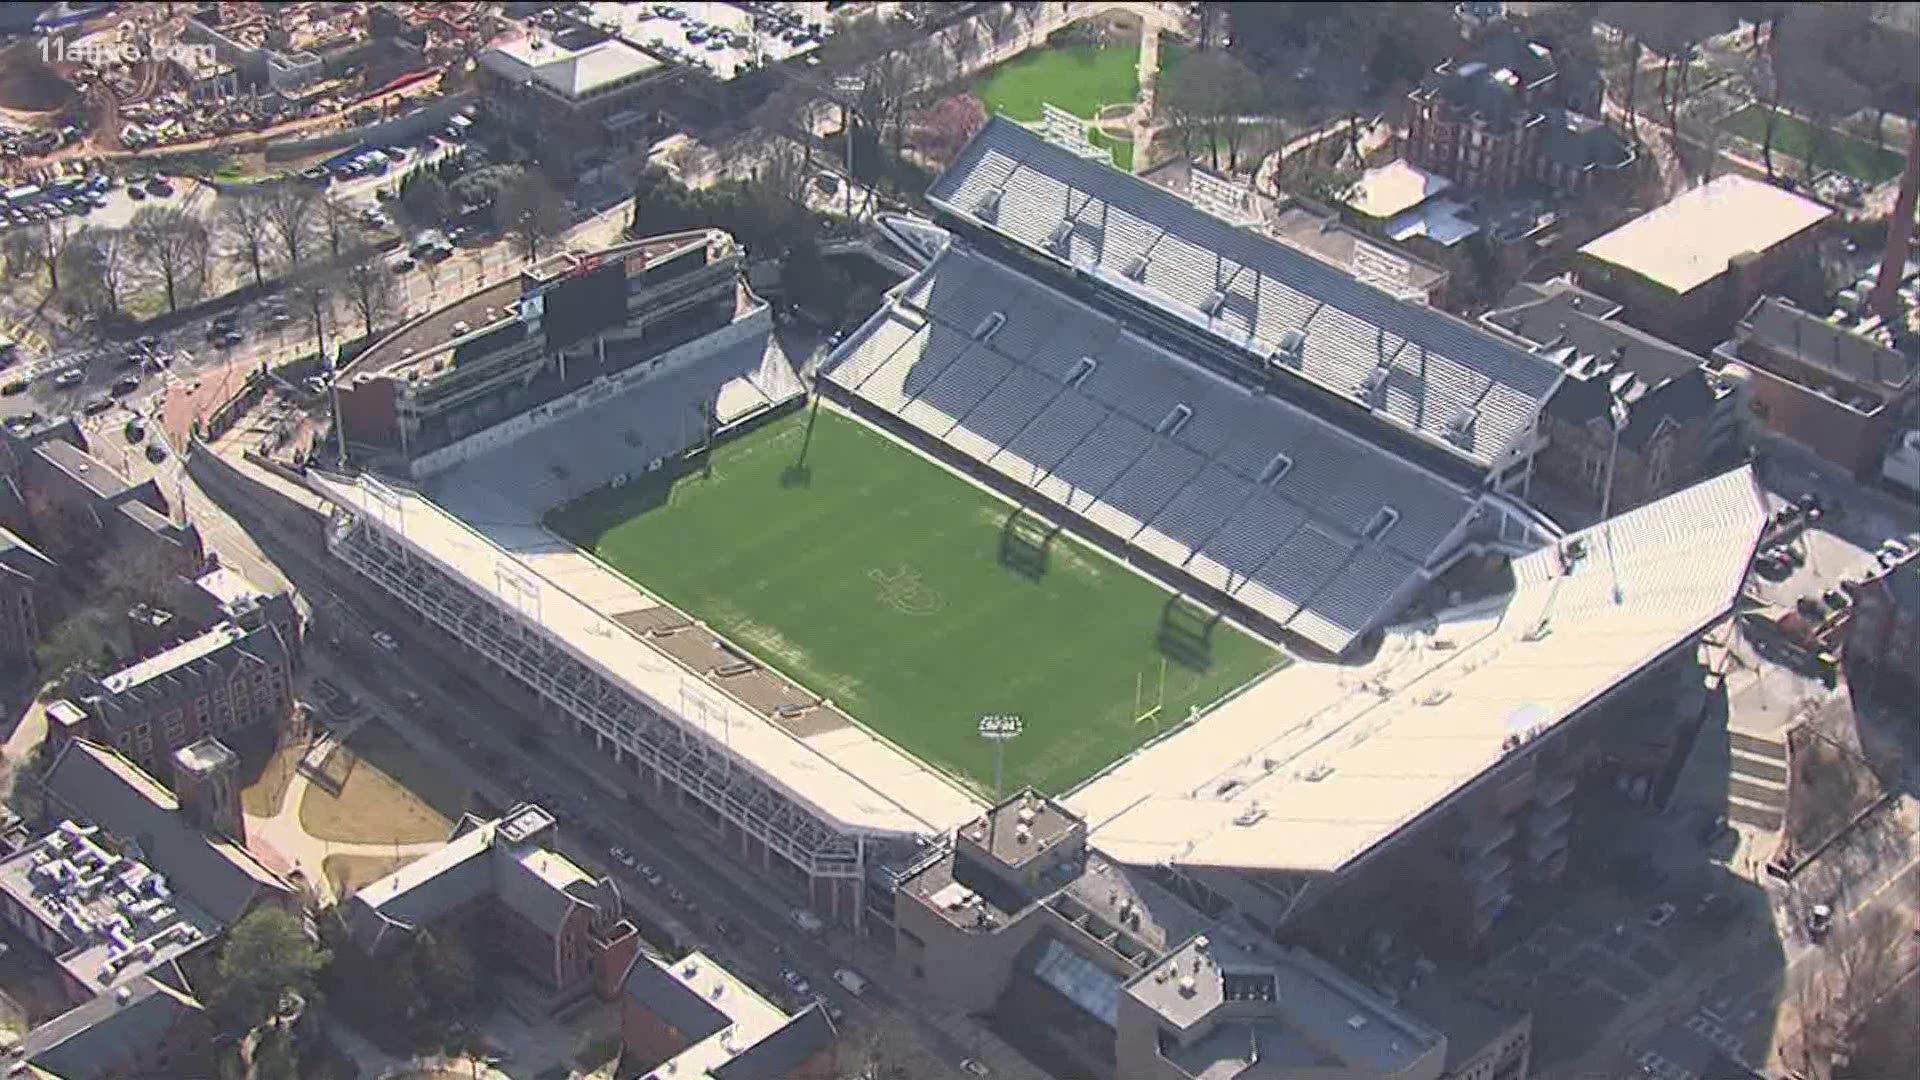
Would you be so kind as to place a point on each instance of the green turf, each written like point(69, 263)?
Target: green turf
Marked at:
point(1794, 137)
point(877, 579)
point(1079, 79)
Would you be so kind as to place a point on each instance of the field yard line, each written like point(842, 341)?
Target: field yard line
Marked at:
point(1046, 511)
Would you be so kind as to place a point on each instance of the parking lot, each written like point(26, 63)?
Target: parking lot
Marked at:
point(721, 38)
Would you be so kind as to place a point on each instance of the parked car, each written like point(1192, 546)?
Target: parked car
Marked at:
point(385, 640)
point(806, 921)
point(795, 981)
point(649, 875)
point(136, 429)
point(975, 1067)
point(1819, 921)
point(96, 405)
point(156, 453)
point(1659, 915)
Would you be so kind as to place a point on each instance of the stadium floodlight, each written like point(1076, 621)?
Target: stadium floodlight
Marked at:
point(1000, 729)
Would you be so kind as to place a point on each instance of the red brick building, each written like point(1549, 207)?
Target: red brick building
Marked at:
point(694, 1018)
point(26, 595)
point(550, 918)
point(1883, 636)
point(1509, 115)
point(1839, 394)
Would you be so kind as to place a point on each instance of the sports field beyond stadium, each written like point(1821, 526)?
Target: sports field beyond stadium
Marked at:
point(879, 580)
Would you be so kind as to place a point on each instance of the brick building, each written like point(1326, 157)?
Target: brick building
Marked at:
point(1686, 270)
point(1674, 418)
point(1883, 636)
point(694, 1018)
point(26, 595)
point(1510, 115)
point(1832, 390)
point(126, 897)
point(232, 676)
point(556, 922)
point(75, 508)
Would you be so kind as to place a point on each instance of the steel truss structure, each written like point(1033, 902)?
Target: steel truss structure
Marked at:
point(505, 630)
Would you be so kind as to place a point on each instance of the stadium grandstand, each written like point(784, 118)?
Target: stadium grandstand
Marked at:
point(1338, 469)
point(436, 390)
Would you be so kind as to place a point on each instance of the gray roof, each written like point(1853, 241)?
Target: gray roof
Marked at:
point(22, 558)
point(1815, 341)
point(106, 789)
point(1253, 495)
point(1110, 221)
point(182, 672)
point(776, 1056)
point(106, 1035)
point(1605, 358)
point(654, 988)
point(83, 468)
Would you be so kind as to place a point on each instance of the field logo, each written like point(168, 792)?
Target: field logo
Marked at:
point(903, 591)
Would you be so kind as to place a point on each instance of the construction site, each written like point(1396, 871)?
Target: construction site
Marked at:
point(225, 77)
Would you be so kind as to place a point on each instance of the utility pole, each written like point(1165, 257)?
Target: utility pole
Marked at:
point(1615, 420)
point(1000, 729)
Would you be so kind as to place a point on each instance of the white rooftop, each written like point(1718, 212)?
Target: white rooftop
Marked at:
point(571, 73)
point(1440, 221)
point(1393, 188)
point(846, 775)
point(1691, 239)
point(172, 659)
point(1311, 768)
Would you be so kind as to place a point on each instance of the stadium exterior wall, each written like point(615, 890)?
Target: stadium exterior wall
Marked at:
point(518, 427)
point(670, 760)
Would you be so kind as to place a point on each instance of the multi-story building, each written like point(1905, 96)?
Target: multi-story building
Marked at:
point(1636, 416)
point(454, 382)
point(572, 93)
point(559, 924)
point(26, 594)
point(234, 675)
point(125, 896)
point(1883, 634)
point(1017, 915)
point(1688, 269)
point(75, 508)
point(693, 1017)
point(1837, 392)
point(1510, 115)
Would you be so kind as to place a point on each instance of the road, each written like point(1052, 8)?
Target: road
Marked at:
point(491, 742)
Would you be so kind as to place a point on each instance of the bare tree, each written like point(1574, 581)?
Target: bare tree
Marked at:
point(1864, 961)
point(174, 243)
point(290, 212)
point(1813, 64)
point(313, 297)
point(245, 234)
point(100, 263)
point(337, 223)
point(1206, 99)
point(532, 211)
point(41, 246)
point(369, 287)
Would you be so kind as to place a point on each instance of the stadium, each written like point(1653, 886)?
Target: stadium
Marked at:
point(1236, 542)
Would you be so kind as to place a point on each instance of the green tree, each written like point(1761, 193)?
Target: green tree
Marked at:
point(80, 642)
point(266, 955)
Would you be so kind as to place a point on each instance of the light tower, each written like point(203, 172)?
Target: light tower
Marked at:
point(1000, 729)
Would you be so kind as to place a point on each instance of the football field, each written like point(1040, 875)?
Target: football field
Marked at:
point(915, 601)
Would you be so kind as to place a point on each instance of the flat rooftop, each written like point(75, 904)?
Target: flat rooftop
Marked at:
point(1394, 188)
point(647, 26)
point(116, 917)
point(87, 470)
point(1692, 239)
point(573, 74)
point(1291, 998)
point(1022, 827)
point(173, 659)
point(418, 346)
point(1314, 767)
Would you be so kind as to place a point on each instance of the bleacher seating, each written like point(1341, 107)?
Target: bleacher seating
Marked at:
point(1198, 487)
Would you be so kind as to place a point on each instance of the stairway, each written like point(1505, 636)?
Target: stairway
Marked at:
point(1756, 779)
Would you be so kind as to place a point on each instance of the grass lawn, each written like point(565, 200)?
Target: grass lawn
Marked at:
point(392, 796)
point(1794, 137)
point(348, 874)
point(879, 580)
point(1079, 79)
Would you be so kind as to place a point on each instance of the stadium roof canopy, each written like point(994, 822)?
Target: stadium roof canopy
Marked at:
point(1316, 529)
point(1318, 765)
point(1444, 380)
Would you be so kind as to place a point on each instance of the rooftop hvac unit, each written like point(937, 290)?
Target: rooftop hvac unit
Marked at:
point(1059, 237)
point(1214, 303)
point(1187, 986)
point(988, 207)
point(1136, 267)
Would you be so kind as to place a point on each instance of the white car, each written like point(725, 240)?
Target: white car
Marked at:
point(385, 640)
point(70, 377)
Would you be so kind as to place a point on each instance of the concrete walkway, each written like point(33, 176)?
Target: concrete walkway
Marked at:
point(289, 839)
